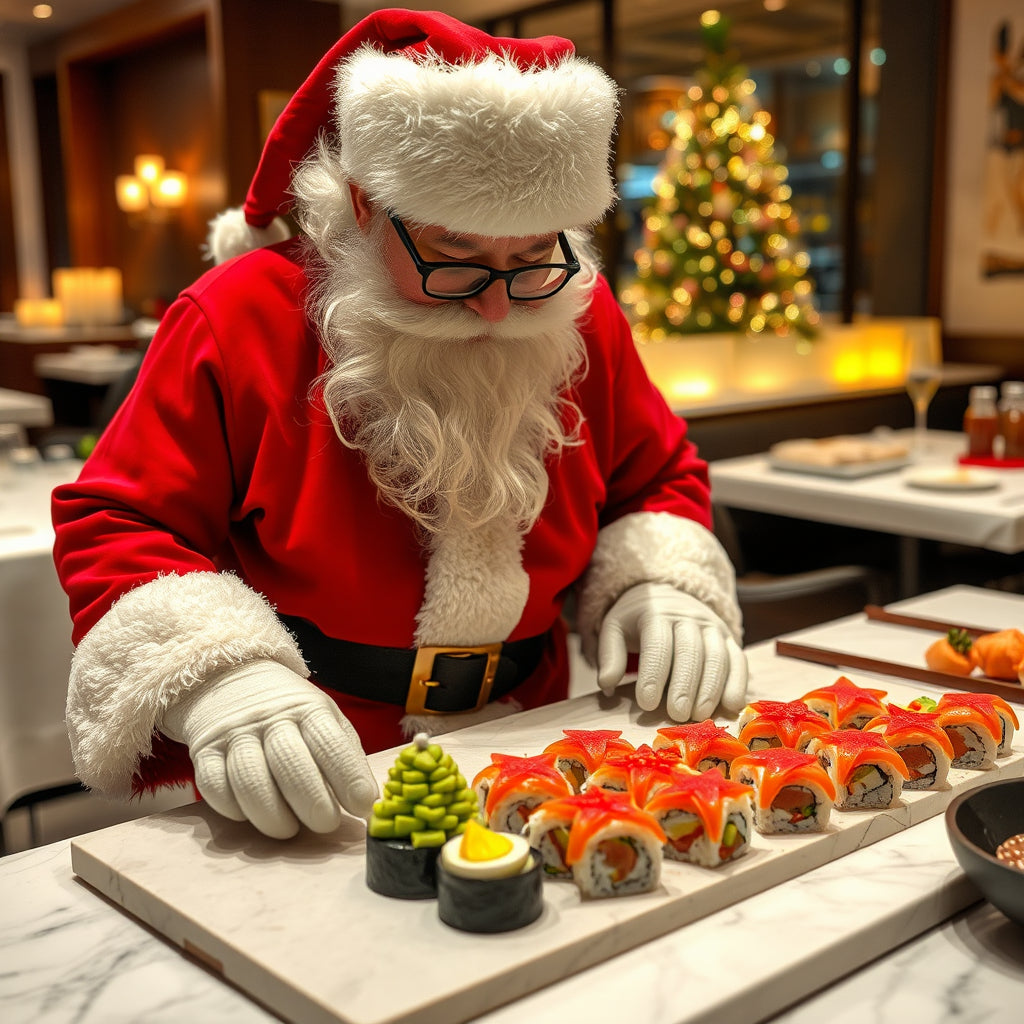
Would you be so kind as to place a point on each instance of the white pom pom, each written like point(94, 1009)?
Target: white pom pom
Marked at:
point(231, 235)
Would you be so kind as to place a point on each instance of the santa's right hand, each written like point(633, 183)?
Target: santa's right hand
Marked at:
point(268, 746)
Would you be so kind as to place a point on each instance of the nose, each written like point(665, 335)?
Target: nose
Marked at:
point(493, 303)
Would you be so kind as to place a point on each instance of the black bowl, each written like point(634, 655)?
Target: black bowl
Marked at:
point(977, 822)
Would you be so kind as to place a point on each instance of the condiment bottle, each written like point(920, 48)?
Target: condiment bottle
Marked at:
point(1011, 419)
point(981, 422)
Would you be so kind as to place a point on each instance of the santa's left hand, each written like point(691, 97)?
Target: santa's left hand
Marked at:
point(687, 653)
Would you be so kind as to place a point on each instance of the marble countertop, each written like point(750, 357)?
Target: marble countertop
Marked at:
point(69, 955)
point(888, 920)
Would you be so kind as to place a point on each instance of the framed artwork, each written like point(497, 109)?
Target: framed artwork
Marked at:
point(271, 103)
point(983, 257)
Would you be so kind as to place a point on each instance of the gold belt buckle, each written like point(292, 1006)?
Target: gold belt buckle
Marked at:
point(420, 682)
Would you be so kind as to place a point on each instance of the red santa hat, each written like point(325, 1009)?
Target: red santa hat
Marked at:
point(444, 124)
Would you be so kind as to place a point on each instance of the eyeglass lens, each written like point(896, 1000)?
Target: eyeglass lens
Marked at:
point(526, 284)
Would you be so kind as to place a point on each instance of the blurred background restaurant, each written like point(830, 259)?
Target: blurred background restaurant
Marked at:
point(807, 189)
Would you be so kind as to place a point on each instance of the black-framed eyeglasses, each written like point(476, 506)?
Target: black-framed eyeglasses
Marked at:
point(454, 280)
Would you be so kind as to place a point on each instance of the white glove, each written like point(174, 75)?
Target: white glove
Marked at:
point(682, 643)
point(268, 746)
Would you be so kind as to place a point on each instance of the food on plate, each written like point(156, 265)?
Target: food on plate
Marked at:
point(842, 450)
point(610, 846)
point(488, 881)
point(951, 653)
point(922, 743)
point(425, 803)
point(999, 655)
point(701, 745)
point(865, 771)
point(639, 773)
point(777, 723)
point(792, 792)
point(510, 787)
point(707, 819)
point(844, 704)
point(581, 751)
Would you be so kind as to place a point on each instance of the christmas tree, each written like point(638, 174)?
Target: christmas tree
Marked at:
point(720, 250)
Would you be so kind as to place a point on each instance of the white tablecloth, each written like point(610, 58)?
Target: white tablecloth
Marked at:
point(35, 636)
point(886, 502)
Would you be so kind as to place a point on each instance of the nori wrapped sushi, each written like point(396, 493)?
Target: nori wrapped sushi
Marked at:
point(426, 801)
point(488, 881)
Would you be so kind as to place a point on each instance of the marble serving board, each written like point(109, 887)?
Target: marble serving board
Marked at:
point(293, 925)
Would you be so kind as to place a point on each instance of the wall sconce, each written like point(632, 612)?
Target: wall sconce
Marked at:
point(150, 185)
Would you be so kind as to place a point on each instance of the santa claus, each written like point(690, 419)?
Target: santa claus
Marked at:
point(363, 468)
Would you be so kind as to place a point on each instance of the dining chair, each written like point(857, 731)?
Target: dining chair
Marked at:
point(773, 603)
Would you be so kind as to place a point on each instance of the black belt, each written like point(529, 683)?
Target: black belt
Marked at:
point(434, 680)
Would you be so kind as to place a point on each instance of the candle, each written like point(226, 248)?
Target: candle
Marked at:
point(38, 312)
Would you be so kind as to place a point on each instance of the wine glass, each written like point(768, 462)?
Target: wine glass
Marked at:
point(923, 360)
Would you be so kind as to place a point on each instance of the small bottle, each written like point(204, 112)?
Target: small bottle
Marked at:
point(981, 422)
point(1011, 419)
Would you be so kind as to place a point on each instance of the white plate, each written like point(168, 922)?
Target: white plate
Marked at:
point(953, 479)
point(840, 470)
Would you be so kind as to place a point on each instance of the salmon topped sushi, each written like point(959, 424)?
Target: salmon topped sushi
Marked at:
point(701, 745)
point(844, 704)
point(920, 741)
point(611, 847)
point(777, 723)
point(638, 773)
point(793, 793)
point(995, 712)
point(707, 819)
point(510, 787)
point(581, 751)
point(865, 770)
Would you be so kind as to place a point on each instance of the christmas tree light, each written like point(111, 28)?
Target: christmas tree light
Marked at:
point(720, 248)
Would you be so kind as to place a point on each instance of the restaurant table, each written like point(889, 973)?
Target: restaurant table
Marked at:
point(886, 502)
point(35, 636)
point(888, 933)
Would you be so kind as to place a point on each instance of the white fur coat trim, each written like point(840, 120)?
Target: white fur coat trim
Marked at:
point(656, 547)
point(154, 644)
point(476, 587)
point(484, 147)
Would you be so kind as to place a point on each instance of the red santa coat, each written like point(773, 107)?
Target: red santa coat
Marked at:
point(221, 462)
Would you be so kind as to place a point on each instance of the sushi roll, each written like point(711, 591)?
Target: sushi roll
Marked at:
point(701, 745)
point(865, 771)
point(615, 849)
point(985, 705)
point(425, 803)
point(488, 881)
point(639, 773)
point(920, 741)
point(583, 750)
point(515, 786)
point(776, 723)
point(844, 704)
point(707, 819)
point(548, 828)
point(792, 792)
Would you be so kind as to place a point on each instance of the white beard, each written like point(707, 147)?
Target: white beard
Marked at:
point(455, 416)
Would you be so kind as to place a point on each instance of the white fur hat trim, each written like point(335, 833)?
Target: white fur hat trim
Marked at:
point(231, 235)
point(484, 147)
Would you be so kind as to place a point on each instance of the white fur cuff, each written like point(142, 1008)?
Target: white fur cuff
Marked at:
point(656, 547)
point(156, 642)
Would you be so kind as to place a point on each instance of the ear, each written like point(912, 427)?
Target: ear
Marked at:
point(361, 205)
